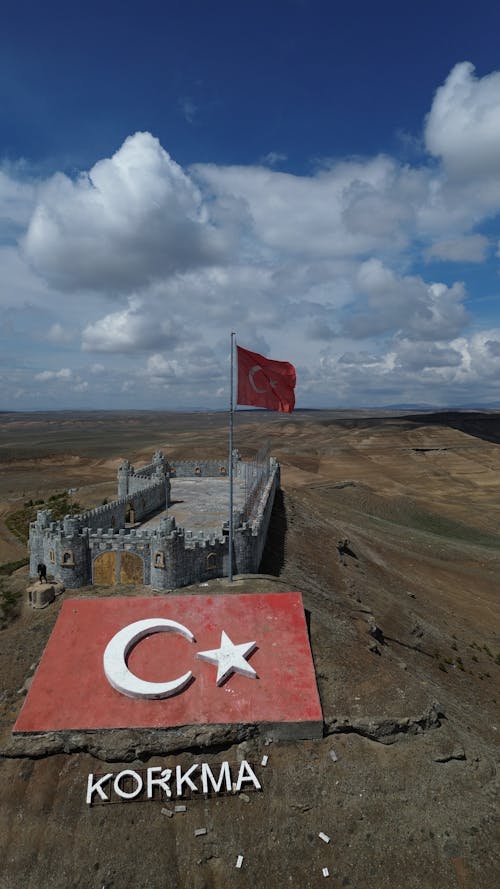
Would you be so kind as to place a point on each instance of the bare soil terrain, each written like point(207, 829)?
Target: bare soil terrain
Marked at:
point(403, 621)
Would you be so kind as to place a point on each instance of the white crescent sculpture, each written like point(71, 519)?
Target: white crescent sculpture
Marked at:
point(116, 652)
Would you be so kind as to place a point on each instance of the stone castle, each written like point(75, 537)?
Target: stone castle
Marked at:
point(107, 545)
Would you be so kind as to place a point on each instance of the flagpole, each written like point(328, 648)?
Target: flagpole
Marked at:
point(231, 461)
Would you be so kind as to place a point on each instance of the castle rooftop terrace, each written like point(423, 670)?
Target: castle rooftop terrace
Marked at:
point(200, 504)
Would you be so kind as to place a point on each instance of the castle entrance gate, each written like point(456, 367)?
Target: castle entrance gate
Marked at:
point(111, 567)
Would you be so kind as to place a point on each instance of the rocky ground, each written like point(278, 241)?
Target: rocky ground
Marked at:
point(403, 620)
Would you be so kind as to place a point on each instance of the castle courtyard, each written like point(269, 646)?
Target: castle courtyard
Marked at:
point(200, 504)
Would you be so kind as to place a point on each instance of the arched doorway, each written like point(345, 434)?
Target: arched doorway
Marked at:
point(111, 567)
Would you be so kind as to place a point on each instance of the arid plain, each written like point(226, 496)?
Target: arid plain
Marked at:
point(404, 634)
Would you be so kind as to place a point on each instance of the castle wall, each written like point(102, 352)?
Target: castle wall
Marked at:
point(130, 481)
point(260, 524)
point(187, 468)
point(250, 537)
point(186, 559)
point(148, 500)
point(113, 515)
point(139, 483)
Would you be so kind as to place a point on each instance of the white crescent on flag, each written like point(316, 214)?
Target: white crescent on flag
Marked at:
point(255, 369)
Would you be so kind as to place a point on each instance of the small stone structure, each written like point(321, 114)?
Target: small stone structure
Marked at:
point(102, 543)
point(42, 594)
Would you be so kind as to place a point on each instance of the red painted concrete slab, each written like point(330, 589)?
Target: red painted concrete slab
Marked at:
point(71, 691)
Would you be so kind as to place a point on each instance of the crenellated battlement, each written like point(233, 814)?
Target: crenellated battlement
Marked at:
point(101, 545)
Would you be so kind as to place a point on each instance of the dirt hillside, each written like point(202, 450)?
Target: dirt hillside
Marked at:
point(403, 618)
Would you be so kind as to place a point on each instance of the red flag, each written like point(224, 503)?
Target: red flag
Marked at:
point(263, 382)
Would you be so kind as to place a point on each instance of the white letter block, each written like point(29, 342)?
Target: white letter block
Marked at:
point(124, 793)
point(91, 788)
point(161, 781)
point(207, 774)
point(184, 779)
point(246, 773)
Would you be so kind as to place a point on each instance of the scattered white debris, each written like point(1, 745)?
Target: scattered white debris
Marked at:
point(180, 809)
point(200, 831)
point(325, 872)
point(203, 584)
point(324, 837)
point(239, 861)
point(333, 756)
point(268, 741)
point(265, 759)
point(167, 812)
point(245, 797)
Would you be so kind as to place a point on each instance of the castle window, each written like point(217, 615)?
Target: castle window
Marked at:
point(197, 470)
point(68, 559)
point(160, 559)
point(52, 556)
point(211, 561)
point(223, 470)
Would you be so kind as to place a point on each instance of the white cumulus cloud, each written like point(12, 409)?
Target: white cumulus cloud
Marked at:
point(137, 328)
point(463, 126)
point(134, 218)
point(405, 304)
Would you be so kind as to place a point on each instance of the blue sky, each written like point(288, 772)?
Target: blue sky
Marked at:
point(323, 178)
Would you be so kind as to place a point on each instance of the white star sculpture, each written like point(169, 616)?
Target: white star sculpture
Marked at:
point(229, 658)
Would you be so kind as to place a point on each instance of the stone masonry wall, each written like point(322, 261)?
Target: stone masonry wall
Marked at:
point(113, 515)
point(260, 524)
point(211, 468)
point(139, 483)
point(250, 538)
point(186, 559)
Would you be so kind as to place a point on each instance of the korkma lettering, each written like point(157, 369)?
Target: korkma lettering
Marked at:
point(157, 782)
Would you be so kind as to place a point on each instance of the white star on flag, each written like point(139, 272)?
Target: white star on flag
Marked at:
point(229, 658)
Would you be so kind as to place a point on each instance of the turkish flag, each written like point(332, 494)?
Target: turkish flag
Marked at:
point(240, 658)
point(263, 382)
